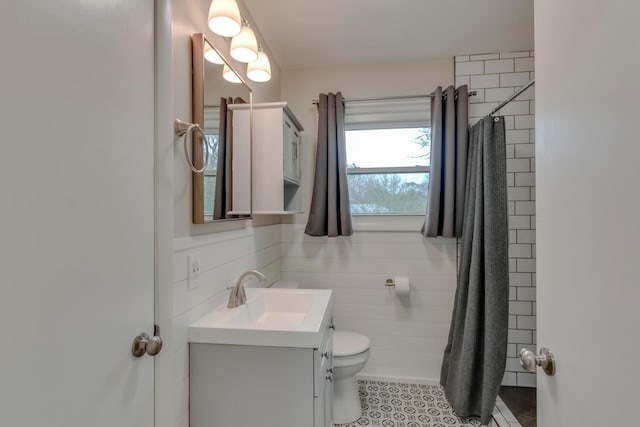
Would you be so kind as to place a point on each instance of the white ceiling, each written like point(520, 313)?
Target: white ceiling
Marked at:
point(306, 33)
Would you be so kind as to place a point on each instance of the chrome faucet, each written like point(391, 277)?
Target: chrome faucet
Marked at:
point(238, 296)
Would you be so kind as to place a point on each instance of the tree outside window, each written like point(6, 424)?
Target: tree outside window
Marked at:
point(388, 170)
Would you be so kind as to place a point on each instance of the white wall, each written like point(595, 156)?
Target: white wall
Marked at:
point(188, 18)
point(389, 78)
point(407, 341)
point(496, 76)
point(226, 249)
point(223, 257)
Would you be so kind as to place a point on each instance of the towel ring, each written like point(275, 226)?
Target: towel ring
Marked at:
point(184, 128)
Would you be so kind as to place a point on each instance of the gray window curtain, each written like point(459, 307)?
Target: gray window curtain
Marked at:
point(449, 133)
point(330, 212)
point(475, 355)
point(222, 200)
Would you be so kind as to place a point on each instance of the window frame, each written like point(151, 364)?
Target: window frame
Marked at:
point(389, 170)
point(396, 113)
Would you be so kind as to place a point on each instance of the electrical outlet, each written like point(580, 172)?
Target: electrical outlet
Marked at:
point(193, 264)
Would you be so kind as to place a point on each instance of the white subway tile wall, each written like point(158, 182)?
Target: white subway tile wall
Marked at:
point(484, 56)
point(496, 76)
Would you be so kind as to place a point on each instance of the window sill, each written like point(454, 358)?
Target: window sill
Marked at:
point(388, 222)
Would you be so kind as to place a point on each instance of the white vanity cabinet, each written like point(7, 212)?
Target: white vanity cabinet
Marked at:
point(276, 157)
point(260, 385)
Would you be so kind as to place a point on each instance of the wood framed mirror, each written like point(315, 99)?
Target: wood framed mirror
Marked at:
point(223, 191)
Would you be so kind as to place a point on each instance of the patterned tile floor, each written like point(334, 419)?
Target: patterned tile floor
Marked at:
point(390, 404)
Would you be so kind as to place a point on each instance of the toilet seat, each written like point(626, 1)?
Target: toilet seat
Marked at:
point(354, 359)
point(349, 343)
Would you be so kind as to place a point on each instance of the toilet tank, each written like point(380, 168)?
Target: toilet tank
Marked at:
point(286, 284)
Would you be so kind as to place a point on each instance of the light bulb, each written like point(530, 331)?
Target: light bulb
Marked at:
point(244, 46)
point(224, 18)
point(230, 75)
point(260, 69)
point(211, 55)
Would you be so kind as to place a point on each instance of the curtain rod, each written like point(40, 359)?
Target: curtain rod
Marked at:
point(512, 97)
point(388, 98)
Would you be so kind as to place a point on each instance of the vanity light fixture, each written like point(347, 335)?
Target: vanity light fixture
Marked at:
point(260, 69)
point(224, 18)
point(229, 75)
point(211, 55)
point(244, 46)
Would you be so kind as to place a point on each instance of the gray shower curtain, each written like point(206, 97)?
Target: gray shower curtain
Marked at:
point(475, 355)
point(449, 131)
point(222, 200)
point(330, 211)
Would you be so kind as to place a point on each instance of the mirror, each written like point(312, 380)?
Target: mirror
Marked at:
point(223, 191)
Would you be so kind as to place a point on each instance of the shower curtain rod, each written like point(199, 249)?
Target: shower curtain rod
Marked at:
point(389, 98)
point(512, 97)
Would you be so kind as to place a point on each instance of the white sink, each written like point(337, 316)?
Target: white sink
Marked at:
point(270, 317)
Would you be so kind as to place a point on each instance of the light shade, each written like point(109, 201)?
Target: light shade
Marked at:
point(260, 69)
point(211, 55)
point(244, 46)
point(229, 75)
point(224, 18)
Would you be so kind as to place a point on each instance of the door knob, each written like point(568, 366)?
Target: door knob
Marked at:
point(529, 361)
point(143, 343)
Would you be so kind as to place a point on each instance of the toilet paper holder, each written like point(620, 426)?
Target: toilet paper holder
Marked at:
point(399, 286)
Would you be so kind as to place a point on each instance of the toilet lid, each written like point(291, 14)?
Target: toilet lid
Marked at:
point(349, 343)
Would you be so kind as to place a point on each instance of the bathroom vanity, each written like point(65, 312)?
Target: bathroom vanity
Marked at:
point(265, 363)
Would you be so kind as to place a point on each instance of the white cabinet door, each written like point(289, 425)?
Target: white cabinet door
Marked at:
point(77, 221)
point(243, 385)
point(588, 199)
point(291, 151)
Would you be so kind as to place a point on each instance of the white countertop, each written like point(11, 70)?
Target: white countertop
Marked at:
point(270, 317)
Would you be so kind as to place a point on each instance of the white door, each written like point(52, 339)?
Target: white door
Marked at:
point(76, 212)
point(588, 210)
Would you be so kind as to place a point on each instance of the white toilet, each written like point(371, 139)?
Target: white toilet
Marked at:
point(350, 353)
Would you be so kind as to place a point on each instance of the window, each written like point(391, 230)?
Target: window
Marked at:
point(211, 138)
point(388, 146)
point(210, 173)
